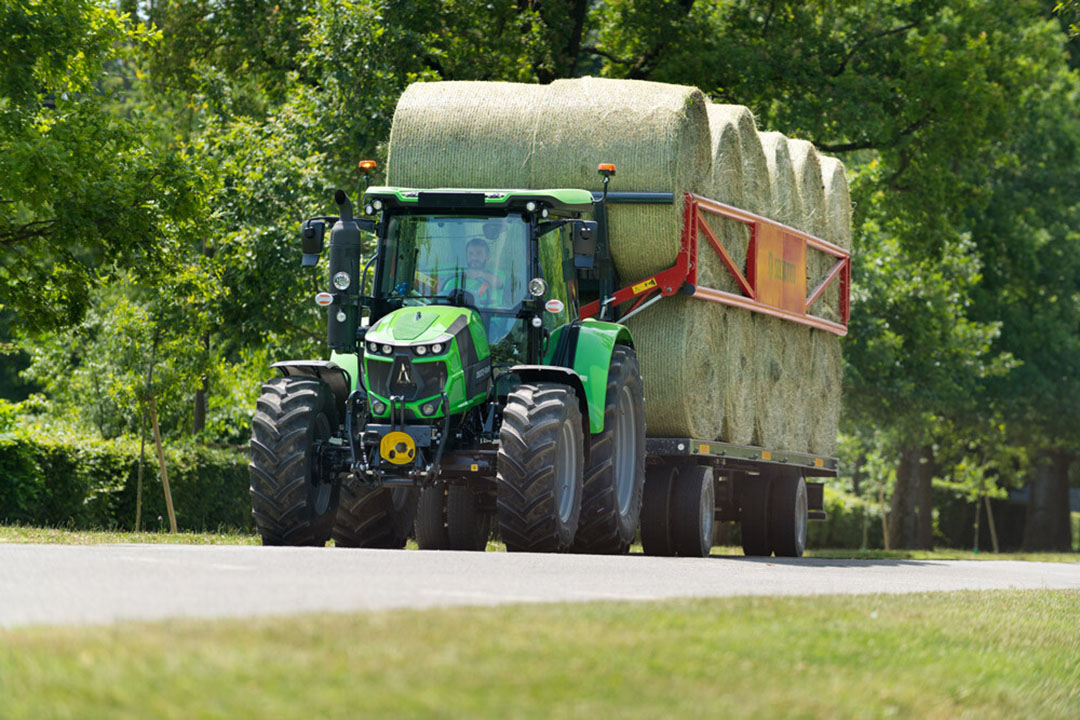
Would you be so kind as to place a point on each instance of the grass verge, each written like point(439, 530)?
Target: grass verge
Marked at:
point(983, 654)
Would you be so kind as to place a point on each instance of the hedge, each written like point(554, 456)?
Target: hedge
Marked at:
point(82, 482)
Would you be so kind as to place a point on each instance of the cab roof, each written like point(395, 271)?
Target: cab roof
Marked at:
point(570, 200)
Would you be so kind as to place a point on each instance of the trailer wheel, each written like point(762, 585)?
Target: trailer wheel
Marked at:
point(789, 516)
point(615, 478)
point(467, 525)
point(431, 518)
point(291, 503)
point(539, 468)
point(656, 533)
point(693, 511)
point(374, 518)
point(754, 515)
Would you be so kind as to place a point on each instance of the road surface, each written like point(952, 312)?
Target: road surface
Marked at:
point(66, 584)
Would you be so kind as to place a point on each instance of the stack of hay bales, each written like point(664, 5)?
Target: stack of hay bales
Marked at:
point(710, 371)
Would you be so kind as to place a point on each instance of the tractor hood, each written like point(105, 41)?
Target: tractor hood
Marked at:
point(436, 324)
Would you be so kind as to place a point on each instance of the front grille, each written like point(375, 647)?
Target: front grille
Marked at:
point(406, 379)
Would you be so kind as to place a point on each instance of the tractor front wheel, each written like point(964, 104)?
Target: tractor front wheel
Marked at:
point(291, 502)
point(539, 468)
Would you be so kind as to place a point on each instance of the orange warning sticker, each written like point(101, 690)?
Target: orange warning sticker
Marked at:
point(643, 286)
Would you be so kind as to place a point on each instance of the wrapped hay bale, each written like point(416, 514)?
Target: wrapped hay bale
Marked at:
point(676, 340)
point(464, 134)
point(827, 362)
point(757, 188)
point(777, 389)
point(735, 351)
point(826, 371)
point(657, 135)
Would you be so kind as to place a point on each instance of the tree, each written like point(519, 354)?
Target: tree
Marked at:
point(82, 196)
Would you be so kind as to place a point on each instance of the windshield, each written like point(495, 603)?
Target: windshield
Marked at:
point(433, 256)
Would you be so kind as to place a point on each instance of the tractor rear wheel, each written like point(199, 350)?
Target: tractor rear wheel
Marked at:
point(789, 515)
point(467, 525)
point(539, 468)
point(754, 515)
point(656, 536)
point(615, 478)
point(431, 531)
point(291, 502)
point(374, 518)
point(693, 511)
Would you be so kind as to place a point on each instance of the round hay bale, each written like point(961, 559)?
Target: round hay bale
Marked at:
point(837, 202)
point(676, 340)
point(657, 135)
point(735, 352)
point(464, 134)
point(757, 189)
point(786, 203)
point(770, 425)
point(806, 164)
point(827, 370)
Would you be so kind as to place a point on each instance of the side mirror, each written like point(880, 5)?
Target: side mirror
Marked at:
point(311, 241)
point(583, 234)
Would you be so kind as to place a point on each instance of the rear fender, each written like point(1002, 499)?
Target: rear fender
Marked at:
point(591, 361)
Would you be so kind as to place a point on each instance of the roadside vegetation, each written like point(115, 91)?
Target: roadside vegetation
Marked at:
point(189, 140)
point(1000, 654)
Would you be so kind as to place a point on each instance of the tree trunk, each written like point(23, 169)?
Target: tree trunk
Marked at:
point(1047, 524)
point(902, 519)
point(925, 500)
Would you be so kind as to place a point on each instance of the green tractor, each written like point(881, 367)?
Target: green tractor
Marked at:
point(464, 388)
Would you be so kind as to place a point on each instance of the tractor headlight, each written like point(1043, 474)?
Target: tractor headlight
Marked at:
point(537, 287)
point(530, 206)
point(372, 347)
point(342, 280)
point(436, 348)
point(387, 350)
point(428, 409)
point(421, 349)
point(377, 204)
point(379, 407)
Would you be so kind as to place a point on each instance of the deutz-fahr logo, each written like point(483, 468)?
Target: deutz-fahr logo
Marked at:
point(403, 377)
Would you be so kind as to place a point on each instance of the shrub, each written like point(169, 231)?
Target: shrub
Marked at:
point(55, 478)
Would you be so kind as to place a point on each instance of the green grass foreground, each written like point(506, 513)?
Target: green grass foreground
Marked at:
point(977, 654)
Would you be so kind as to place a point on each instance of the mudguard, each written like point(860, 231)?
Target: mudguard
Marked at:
point(336, 377)
point(586, 347)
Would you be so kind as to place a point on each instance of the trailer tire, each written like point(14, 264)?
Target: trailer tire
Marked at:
point(467, 525)
point(374, 518)
point(789, 510)
point(693, 511)
point(615, 477)
point(431, 531)
point(290, 503)
point(540, 462)
point(754, 515)
point(656, 510)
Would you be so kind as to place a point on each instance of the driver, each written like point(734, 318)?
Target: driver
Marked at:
point(482, 283)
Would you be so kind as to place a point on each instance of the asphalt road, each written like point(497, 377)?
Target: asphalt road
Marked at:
point(64, 584)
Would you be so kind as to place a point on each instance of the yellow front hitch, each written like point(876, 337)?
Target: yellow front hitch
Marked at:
point(397, 447)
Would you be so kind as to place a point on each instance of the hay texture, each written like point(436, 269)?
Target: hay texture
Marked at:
point(464, 134)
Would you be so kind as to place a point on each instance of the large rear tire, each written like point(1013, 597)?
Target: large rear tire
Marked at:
point(789, 516)
point(693, 511)
point(374, 518)
point(615, 479)
point(291, 504)
point(754, 515)
point(656, 537)
point(539, 468)
point(431, 531)
point(467, 525)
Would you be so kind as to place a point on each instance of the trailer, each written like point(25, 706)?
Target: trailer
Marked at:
point(488, 379)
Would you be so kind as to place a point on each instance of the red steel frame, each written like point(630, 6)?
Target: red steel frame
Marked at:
point(684, 272)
